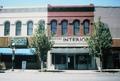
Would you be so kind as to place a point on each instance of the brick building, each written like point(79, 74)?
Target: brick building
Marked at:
point(70, 25)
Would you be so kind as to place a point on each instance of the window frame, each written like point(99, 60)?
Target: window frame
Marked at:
point(29, 27)
point(86, 28)
point(76, 28)
point(18, 28)
point(53, 26)
point(7, 28)
point(64, 27)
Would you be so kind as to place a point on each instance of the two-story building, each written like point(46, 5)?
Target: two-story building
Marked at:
point(17, 26)
point(70, 25)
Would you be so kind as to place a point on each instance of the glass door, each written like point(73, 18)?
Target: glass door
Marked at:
point(70, 60)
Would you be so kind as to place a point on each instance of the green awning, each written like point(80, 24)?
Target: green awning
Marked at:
point(69, 50)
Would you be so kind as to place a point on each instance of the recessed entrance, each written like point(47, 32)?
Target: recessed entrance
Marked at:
point(70, 62)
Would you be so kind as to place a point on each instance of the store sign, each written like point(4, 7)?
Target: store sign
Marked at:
point(70, 41)
point(73, 39)
point(19, 41)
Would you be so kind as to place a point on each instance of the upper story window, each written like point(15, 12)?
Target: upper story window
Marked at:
point(6, 28)
point(76, 27)
point(18, 28)
point(29, 28)
point(64, 27)
point(41, 23)
point(86, 27)
point(53, 27)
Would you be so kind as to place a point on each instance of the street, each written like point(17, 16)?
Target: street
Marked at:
point(58, 76)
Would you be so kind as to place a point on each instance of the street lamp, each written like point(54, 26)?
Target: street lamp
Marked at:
point(13, 55)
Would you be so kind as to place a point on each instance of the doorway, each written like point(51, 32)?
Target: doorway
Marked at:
point(70, 62)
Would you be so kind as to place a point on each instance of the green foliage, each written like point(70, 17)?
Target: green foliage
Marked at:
point(100, 39)
point(41, 42)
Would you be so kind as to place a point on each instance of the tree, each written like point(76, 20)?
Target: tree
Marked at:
point(99, 41)
point(41, 42)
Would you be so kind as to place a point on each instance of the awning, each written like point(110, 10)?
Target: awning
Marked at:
point(24, 51)
point(69, 50)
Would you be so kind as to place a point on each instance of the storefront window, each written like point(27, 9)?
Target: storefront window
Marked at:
point(116, 60)
point(83, 59)
point(58, 59)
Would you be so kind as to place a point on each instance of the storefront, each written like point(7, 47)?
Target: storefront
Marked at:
point(20, 52)
point(71, 53)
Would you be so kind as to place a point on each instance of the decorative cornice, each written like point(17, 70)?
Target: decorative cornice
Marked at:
point(71, 9)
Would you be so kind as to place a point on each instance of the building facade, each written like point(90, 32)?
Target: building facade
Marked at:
point(110, 16)
point(69, 26)
point(17, 26)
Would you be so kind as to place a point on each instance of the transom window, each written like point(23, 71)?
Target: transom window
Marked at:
point(64, 27)
point(86, 27)
point(53, 27)
point(6, 28)
point(76, 27)
point(29, 28)
point(18, 28)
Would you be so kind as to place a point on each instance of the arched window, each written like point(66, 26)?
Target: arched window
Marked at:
point(86, 27)
point(6, 28)
point(41, 23)
point(53, 27)
point(64, 27)
point(76, 27)
point(18, 28)
point(29, 28)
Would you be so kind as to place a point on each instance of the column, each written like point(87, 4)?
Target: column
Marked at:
point(12, 28)
point(67, 61)
point(58, 32)
point(24, 29)
point(90, 28)
point(49, 61)
point(70, 30)
point(48, 30)
point(74, 62)
point(81, 30)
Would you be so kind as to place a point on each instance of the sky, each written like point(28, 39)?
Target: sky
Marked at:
point(21, 3)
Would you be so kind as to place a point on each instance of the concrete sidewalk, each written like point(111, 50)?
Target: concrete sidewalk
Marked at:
point(67, 71)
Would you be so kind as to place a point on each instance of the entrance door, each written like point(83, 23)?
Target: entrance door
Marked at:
point(70, 62)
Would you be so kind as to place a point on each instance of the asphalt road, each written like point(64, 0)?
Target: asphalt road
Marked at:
point(58, 76)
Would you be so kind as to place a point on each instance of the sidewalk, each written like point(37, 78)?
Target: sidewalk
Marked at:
point(67, 71)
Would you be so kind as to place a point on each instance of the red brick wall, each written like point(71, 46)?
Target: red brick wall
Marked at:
point(70, 16)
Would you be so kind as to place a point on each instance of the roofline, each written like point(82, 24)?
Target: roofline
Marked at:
point(69, 6)
point(107, 6)
point(23, 7)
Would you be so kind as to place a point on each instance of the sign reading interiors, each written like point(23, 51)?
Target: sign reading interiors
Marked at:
point(70, 41)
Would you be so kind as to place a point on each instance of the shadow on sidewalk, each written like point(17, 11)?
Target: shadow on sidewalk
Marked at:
point(109, 70)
